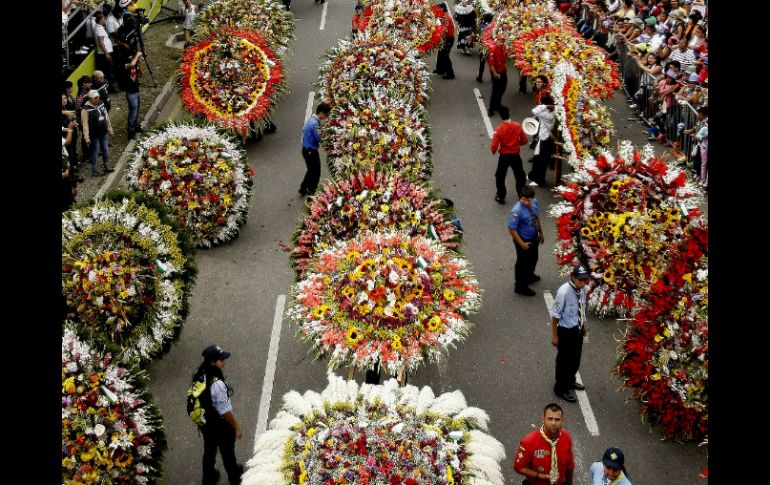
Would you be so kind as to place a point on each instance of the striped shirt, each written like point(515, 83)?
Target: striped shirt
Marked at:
point(686, 59)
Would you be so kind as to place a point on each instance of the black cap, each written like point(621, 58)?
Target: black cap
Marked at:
point(214, 352)
point(613, 458)
point(581, 273)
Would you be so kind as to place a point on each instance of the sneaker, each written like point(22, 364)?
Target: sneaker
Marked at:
point(108, 170)
point(479, 80)
point(533, 184)
point(567, 395)
point(500, 200)
point(525, 291)
point(633, 106)
point(578, 386)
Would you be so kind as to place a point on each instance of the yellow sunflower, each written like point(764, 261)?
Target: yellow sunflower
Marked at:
point(353, 337)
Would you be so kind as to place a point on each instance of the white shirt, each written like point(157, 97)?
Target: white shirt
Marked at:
point(219, 398)
point(189, 16)
point(100, 31)
point(546, 121)
point(113, 24)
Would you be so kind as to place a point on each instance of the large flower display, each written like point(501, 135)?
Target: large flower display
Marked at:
point(231, 78)
point(200, 174)
point(126, 275)
point(373, 66)
point(514, 21)
point(111, 429)
point(585, 122)
point(418, 23)
point(664, 356)
point(540, 50)
point(267, 17)
point(370, 201)
point(376, 434)
point(620, 215)
point(386, 298)
point(377, 132)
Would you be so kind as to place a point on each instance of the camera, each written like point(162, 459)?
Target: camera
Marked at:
point(140, 16)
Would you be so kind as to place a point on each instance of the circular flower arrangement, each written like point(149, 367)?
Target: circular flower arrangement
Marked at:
point(370, 200)
point(539, 51)
point(267, 17)
point(111, 431)
point(664, 356)
point(381, 434)
point(385, 298)
point(377, 132)
point(232, 78)
point(621, 215)
point(126, 275)
point(521, 18)
point(367, 67)
point(416, 22)
point(584, 119)
point(200, 175)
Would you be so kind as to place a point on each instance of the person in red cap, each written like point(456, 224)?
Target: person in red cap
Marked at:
point(221, 428)
point(545, 455)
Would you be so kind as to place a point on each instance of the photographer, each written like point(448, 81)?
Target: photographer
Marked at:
point(128, 81)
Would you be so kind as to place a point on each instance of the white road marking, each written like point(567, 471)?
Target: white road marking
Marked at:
point(585, 405)
point(483, 110)
point(310, 99)
point(272, 357)
point(548, 303)
point(323, 16)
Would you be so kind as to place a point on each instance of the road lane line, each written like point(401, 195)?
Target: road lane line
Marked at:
point(323, 16)
point(483, 110)
point(585, 405)
point(310, 99)
point(272, 357)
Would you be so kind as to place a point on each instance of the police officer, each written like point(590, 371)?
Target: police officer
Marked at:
point(524, 227)
point(568, 317)
point(221, 428)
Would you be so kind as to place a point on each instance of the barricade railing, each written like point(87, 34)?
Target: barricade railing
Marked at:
point(68, 35)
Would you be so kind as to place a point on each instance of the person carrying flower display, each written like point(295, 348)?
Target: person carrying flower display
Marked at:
point(545, 455)
point(527, 233)
point(568, 322)
point(508, 138)
point(443, 62)
point(486, 19)
point(221, 428)
point(497, 68)
point(610, 470)
point(355, 23)
point(311, 139)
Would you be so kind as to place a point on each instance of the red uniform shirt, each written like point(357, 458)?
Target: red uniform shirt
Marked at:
point(450, 25)
point(508, 137)
point(356, 21)
point(497, 58)
point(535, 453)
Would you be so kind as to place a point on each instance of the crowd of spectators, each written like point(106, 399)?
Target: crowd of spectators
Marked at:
point(662, 48)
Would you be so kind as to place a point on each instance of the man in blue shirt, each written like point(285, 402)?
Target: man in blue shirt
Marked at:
point(568, 318)
point(609, 471)
point(311, 139)
point(524, 226)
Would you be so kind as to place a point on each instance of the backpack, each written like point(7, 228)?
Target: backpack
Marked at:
point(195, 409)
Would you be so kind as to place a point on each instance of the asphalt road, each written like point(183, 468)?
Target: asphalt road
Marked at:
point(506, 365)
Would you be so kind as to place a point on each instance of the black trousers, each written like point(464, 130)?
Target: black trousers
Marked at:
point(313, 174)
point(482, 64)
point(219, 435)
point(526, 260)
point(443, 62)
point(512, 160)
point(541, 162)
point(568, 353)
point(523, 84)
point(498, 89)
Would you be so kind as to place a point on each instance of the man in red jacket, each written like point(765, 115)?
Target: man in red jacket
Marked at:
point(497, 58)
point(508, 138)
point(545, 456)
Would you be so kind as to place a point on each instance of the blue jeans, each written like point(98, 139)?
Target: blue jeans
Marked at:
point(101, 142)
point(133, 112)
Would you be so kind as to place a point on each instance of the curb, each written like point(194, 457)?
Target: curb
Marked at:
point(152, 115)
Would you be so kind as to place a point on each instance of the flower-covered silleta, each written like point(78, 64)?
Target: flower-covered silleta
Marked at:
point(541, 50)
point(620, 215)
point(373, 66)
point(200, 175)
point(664, 356)
point(418, 23)
point(586, 122)
point(377, 132)
point(376, 434)
point(370, 201)
point(386, 298)
point(521, 18)
point(126, 276)
point(232, 78)
point(267, 17)
point(111, 430)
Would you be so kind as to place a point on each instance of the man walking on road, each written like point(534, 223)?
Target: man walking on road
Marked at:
point(508, 138)
point(497, 68)
point(545, 456)
point(524, 227)
point(568, 322)
point(311, 139)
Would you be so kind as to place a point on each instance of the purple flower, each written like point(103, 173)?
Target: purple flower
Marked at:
point(197, 176)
